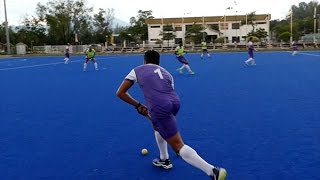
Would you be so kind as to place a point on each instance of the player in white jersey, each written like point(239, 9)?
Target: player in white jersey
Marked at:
point(250, 61)
point(67, 53)
point(294, 48)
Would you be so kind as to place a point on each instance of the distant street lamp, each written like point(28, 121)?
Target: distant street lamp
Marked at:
point(7, 27)
point(183, 29)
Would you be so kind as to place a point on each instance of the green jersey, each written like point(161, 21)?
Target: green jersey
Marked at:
point(204, 45)
point(90, 54)
point(180, 50)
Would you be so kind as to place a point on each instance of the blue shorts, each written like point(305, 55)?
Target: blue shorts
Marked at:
point(251, 54)
point(205, 50)
point(163, 119)
point(182, 60)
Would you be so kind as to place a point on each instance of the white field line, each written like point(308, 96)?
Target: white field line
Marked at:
point(37, 65)
point(47, 64)
point(308, 54)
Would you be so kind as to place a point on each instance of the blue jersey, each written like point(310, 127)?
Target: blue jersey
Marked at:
point(156, 83)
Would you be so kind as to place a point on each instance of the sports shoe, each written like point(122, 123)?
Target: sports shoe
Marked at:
point(218, 173)
point(166, 164)
point(191, 73)
point(180, 70)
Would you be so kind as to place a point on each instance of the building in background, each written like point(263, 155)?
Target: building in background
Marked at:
point(233, 28)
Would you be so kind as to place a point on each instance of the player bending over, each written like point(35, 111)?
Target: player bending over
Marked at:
point(162, 106)
point(90, 56)
point(204, 49)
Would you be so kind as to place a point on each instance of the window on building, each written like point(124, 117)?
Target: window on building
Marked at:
point(154, 26)
point(153, 39)
point(227, 39)
point(178, 28)
point(177, 40)
point(188, 27)
point(235, 25)
point(167, 28)
point(223, 26)
point(213, 26)
point(235, 39)
point(261, 22)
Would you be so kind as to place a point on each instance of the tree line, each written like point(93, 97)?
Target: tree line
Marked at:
point(61, 21)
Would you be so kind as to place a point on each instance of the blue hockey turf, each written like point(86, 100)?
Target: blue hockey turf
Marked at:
point(260, 123)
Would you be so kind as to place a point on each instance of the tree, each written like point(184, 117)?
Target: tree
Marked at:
point(254, 39)
point(31, 32)
point(194, 34)
point(138, 28)
point(219, 40)
point(64, 19)
point(260, 33)
point(103, 24)
point(303, 21)
point(250, 20)
point(167, 33)
point(285, 36)
point(3, 35)
point(304, 10)
point(125, 35)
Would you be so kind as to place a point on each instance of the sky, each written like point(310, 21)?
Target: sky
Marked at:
point(125, 9)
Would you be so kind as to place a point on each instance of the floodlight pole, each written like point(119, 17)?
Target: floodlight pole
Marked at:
point(291, 38)
point(203, 33)
point(314, 24)
point(225, 30)
point(7, 27)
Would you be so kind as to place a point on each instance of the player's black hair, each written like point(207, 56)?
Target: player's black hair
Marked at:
point(152, 57)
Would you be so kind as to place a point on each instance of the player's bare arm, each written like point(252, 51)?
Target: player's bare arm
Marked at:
point(124, 95)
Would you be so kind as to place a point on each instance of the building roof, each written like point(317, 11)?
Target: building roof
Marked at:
point(257, 17)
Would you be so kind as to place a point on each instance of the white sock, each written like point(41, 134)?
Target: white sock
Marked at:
point(84, 66)
point(162, 145)
point(66, 60)
point(188, 67)
point(96, 65)
point(294, 53)
point(249, 60)
point(191, 156)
